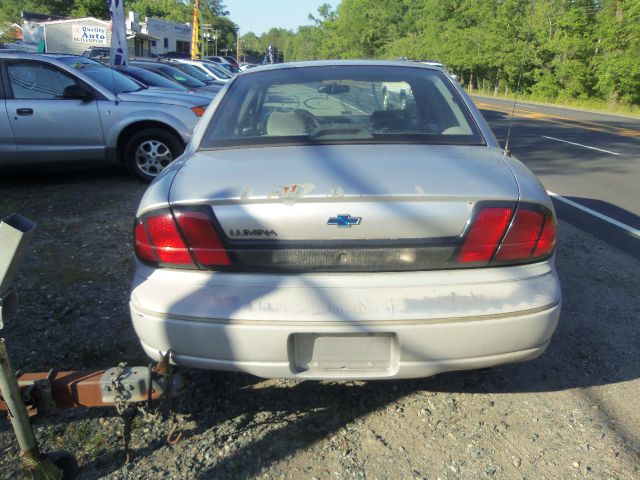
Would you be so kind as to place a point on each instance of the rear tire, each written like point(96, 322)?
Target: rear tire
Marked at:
point(150, 151)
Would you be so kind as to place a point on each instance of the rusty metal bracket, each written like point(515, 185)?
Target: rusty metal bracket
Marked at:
point(135, 385)
point(163, 366)
point(45, 392)
point(43, 395)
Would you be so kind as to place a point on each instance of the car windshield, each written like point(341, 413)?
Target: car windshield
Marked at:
point(153, 79)
point(227, 67)
point(195, 72)
point(100, 52)
point(342, 104)
point(181, 77)
point(216, 70)
point(109, 78)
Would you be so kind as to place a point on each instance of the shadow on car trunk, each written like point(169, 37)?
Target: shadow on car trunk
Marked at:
point(595, 345)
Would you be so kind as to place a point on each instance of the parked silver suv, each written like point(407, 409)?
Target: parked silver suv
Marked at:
point(66, 109)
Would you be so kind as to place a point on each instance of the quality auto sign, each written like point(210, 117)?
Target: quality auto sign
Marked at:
point(89, 34)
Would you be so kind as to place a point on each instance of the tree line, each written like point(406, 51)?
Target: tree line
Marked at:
point(555, 49)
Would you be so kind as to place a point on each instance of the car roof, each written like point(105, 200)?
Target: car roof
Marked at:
point(145, 63)
point(17, 54)
point(334, 63)
point(153, 65)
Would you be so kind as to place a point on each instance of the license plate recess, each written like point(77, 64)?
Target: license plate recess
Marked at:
point(342, 352)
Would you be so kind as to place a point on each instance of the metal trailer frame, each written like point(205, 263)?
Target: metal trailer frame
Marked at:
point(29, 394)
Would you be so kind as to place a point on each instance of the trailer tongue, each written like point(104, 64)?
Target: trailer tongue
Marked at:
point(44, 393)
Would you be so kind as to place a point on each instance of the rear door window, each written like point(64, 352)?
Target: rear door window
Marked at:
point(37, 81)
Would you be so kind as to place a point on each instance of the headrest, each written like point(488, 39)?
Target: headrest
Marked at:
point(285, 124)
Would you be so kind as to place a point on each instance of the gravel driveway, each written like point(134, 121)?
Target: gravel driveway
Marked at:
point(573, 413)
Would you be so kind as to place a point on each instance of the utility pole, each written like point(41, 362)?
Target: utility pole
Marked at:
point(238, 52)
point(206, 35)
point(216, 34)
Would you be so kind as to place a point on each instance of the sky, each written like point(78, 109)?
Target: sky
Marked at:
point(259, 16)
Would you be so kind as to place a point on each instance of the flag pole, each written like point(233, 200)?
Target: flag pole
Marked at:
point(119, 49)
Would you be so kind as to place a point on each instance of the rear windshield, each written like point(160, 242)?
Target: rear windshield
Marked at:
point(179, 76)
point(153, 79)
point(216, 70)
point(109, 78)
point(195, 72)
point(342, 104)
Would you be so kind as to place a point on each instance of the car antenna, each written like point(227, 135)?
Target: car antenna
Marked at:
point(113, 81)
point(506, 152)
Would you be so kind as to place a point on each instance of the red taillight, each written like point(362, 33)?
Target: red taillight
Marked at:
point(159, 239)
point(522, 236)
point(484, 236)
point(202, 238)
point(547, 241)
point(144, 248)
point(531, 235)
point(167, 240)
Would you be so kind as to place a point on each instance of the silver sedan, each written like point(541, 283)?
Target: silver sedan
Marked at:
point(314, 230)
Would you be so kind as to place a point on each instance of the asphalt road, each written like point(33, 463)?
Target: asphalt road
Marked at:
point(591, 161)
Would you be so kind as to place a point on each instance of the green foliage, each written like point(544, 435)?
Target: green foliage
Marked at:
point(617, 61)
point(552, 49)
point(571, 50)
point(10, 9)
point(7, 32)
point(170, 10)
point(279, 38)
point(91, 8)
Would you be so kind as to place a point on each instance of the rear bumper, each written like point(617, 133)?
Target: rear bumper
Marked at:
point(423, 322)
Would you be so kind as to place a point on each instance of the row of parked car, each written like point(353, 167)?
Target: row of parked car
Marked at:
point(70, 109)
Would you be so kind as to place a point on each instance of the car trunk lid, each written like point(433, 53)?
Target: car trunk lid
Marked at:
point(342, 207)
point(360, 193)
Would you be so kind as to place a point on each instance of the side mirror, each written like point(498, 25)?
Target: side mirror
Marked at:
point(77, 92)
point(455, 78)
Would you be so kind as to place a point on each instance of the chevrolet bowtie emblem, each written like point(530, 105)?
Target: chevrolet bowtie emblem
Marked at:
point(344, 220)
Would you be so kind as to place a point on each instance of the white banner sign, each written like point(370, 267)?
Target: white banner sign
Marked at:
point(119, 54)
point(89, 34)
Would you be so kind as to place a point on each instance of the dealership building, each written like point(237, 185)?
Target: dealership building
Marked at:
point(75, 35)
point(171, 36)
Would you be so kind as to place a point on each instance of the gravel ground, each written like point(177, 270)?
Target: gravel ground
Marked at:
point(573, 413)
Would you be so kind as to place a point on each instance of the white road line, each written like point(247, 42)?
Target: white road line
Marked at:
point(580, 145)
point(633, 231)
